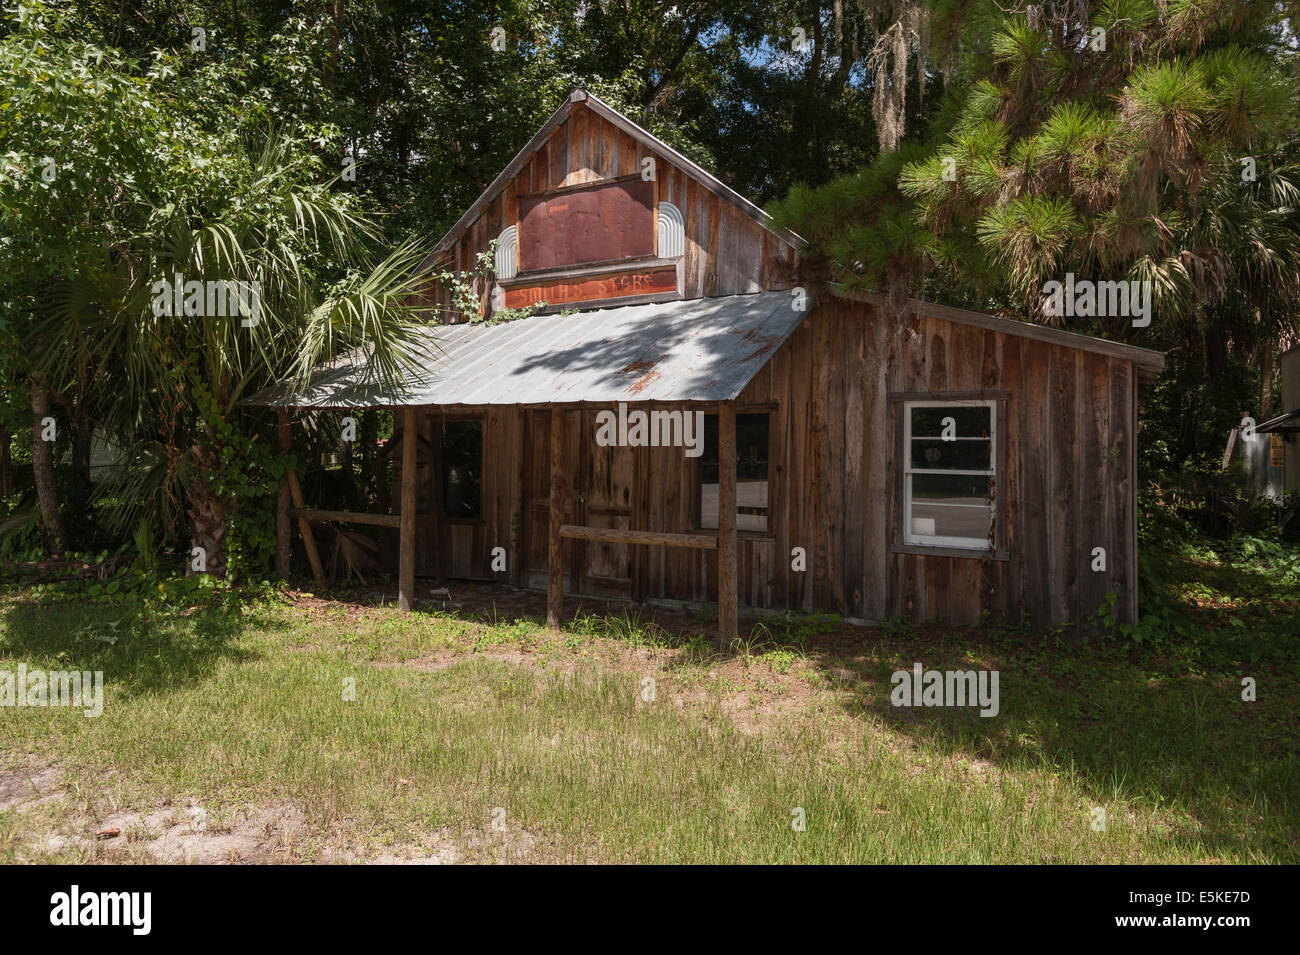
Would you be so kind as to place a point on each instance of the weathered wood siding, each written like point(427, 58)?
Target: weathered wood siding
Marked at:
point(462, 548)
point(1067, 456)
point(726, 251)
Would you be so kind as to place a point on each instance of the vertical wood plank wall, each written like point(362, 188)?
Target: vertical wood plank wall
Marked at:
point(1068, 461)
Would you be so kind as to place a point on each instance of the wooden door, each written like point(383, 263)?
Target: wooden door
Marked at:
point(605, 500)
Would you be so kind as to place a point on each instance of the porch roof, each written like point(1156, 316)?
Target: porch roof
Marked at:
point(695, 350)
point(1288, 423)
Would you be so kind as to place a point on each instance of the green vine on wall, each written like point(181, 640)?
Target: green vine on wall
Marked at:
point(466, 296)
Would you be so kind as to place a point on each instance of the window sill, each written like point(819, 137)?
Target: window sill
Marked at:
point(970, 553)
point(587, 270)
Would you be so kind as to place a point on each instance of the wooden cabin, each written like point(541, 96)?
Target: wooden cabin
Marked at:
point(949, 465)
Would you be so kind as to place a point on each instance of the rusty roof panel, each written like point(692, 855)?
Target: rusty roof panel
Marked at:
point(704, 349)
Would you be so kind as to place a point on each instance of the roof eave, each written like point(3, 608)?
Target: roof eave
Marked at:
point(1288, 423)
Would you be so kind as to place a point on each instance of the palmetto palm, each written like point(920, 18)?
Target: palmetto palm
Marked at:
point(171, 384)
point(1242, 249)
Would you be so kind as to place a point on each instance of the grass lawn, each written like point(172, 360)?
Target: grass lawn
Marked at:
point(476, 735)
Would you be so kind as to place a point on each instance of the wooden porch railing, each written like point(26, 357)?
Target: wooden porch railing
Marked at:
point(724, 543)
point(290, 506)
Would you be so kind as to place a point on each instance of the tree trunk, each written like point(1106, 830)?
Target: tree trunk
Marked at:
point(335, 32)
point(208, 513)
point(208, 530)
point(6, 480)
point(81, 441)
point(1267, 373)
point(47, 491)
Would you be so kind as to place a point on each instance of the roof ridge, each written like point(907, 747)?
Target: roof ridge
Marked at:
point(631, 128)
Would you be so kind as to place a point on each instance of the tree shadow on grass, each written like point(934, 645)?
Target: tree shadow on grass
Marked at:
point(1157, 731)
point(1120, 726)
point(141, 651)
point(1161, 732)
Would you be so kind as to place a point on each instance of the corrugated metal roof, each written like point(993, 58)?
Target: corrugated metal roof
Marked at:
point(1288, 423)
point(697, 350)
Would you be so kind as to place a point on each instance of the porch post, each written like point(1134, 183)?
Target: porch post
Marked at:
point(283, 539)
point(304, 528)
point(406, 529)
point(728, 607)
point(555, 554)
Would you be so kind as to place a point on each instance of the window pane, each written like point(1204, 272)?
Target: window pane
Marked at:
point(751, 473)
point(971, 422)
point(937, 454)
point(751, 448)
point(955, 488)
point(461, 459)
point(951, 505)
point(751, 506)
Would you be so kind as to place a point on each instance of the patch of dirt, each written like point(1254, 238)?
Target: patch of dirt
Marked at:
point(448, 855)
point(514, 846)
point(269, 834)
point(23, 788)
point(186, 835)
point(753, 714)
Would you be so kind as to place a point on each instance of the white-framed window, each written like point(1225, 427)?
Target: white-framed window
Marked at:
point(950, 472)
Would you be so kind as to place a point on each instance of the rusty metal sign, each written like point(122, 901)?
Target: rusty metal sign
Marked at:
point(597, 223)
point(593, 288)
